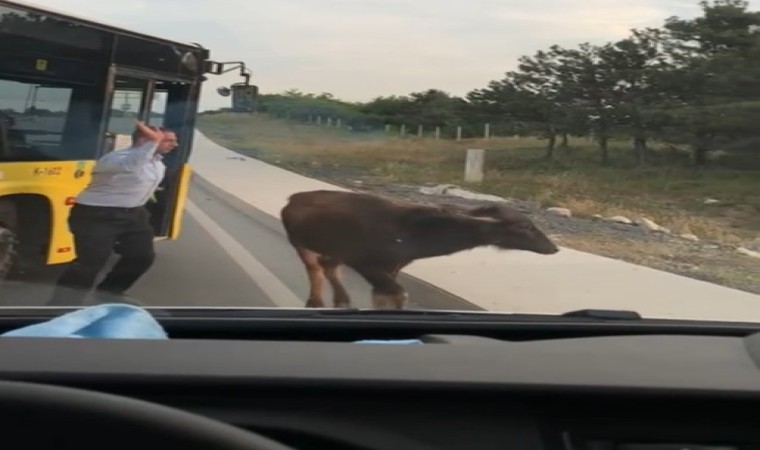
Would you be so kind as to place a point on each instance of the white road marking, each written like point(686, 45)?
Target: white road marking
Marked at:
point(268, 282)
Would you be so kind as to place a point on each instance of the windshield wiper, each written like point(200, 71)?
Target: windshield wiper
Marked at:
point(605, 314)
point(453, 315)
point(407, 314)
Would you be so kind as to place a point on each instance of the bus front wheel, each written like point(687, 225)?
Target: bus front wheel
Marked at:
point(7, 252)
point(8, 238)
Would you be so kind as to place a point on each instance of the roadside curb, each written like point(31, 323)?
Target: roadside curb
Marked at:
point(266, 219)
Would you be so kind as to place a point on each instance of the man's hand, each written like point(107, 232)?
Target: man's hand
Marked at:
point(149, 133)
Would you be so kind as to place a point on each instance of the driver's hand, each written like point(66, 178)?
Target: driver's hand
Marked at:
point(148, 132)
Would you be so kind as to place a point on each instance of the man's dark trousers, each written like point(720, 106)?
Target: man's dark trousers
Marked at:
point(98, 231)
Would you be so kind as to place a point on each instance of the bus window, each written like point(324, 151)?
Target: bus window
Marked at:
point(34, 117)
point(126, 105)
point(158, 108)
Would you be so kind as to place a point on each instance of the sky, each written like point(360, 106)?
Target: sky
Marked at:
point(360, 49)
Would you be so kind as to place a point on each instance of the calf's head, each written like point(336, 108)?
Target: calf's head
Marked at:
point(510, 229)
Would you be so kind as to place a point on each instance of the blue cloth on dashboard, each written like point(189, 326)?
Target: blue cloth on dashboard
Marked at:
point(106, 321)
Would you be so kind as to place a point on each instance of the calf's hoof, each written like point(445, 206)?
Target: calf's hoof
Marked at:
point(314, 303)
point(389, 301)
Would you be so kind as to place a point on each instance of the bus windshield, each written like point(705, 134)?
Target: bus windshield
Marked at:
point(35, 117)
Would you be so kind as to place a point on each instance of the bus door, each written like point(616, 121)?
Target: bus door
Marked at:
point(166, 103)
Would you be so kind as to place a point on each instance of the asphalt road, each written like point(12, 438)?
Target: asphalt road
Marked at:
point(228, 255)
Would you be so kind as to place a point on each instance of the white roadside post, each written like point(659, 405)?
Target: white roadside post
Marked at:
point(473, 166)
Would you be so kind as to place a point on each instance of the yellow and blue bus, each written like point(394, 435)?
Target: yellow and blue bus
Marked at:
point(70, 90)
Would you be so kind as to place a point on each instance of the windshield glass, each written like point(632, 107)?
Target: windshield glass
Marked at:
point(522, 157)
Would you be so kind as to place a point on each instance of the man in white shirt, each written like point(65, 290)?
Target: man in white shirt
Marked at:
point(110, 215)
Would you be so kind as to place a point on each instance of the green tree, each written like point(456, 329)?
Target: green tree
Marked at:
point(714, 62)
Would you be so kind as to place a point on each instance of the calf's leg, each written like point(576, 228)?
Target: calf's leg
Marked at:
point(386, 292)
point(316, 277)
point(331, 269)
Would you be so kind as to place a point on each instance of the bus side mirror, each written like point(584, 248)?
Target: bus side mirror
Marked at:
point(244, 97)
point(250, 91)
point(224, 91)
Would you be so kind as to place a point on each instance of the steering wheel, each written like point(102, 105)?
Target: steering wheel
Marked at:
point(37, 416)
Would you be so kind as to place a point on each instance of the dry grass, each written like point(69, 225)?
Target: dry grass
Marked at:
point(670, 195)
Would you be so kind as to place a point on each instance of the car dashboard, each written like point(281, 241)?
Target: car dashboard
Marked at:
point(454, 391)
